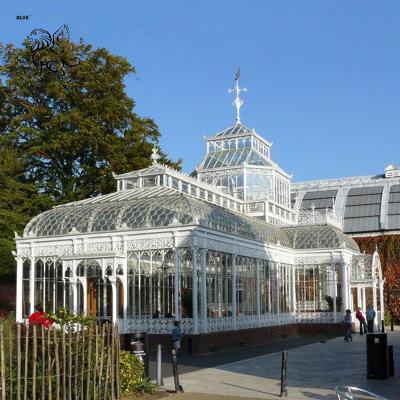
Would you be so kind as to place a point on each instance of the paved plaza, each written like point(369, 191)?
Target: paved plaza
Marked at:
point(313, 372)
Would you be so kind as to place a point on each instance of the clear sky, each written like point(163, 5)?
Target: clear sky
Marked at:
point(323, 77)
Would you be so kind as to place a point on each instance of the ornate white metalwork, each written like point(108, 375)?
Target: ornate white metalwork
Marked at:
point(220, 324)
point(145, 244)
point(154, 156)
point(248, 321)
point(318, 316)
point(312, 217)
point(24, 252)
point(54, 250)
point(160, 325)
point(98, 247)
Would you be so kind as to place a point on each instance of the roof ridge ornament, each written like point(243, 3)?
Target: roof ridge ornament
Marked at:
point(154, 156)
point(238, 102)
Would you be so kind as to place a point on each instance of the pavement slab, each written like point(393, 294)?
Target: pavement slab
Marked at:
point(314, 370)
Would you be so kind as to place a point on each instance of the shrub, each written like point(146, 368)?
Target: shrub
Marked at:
point(65, 317)
point(131, 372)
point(388, 317)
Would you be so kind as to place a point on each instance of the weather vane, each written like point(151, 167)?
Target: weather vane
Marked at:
point(238, 102)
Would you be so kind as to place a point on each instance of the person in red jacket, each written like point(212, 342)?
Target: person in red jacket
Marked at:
point(363, 324)
point(39, 317)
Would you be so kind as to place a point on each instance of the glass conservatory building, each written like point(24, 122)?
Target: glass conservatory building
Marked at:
point(220, 250)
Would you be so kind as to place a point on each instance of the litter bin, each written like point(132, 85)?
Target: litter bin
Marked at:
point(138, 344)
point(377, 356)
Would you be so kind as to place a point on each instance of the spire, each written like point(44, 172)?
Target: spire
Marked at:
point(238, 102)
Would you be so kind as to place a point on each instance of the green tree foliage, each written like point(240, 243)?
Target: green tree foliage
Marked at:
point(19, 201)
point(63, 133)
point(76, 128)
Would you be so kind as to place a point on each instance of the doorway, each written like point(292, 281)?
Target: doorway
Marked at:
point(92, 296)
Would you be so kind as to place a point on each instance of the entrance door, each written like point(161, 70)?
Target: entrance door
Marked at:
point(91, 296)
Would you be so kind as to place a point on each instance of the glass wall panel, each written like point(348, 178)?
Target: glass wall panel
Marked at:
point(151, 284)
point(258, 187)
point(246, 285)
point(315, 288)
point(265, 288)
point(219, 284)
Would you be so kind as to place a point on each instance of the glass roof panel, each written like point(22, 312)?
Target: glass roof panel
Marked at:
point(227, 158)
point(238, 129)
point(255, 158)
point(150, 212)
point(319, 236)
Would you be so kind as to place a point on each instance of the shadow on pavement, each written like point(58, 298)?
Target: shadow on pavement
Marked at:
point(209, 360)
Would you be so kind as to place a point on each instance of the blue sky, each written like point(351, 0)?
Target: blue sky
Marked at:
point(323, 77)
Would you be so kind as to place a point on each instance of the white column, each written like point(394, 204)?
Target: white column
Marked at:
point(319, 288)
point(32, 285)
point(84, 287)
point(363, 299)
point(114, 288)
point(176, 285)
point(151, 287)
point(44, 284)
point(74, 286)
point(382, 310)
point(203, 255)
point(234, 300)
point(126, 287)
point(105, 308)
point(19, 295)
point(294, 299)
point(345, 287)
point(258, 292)
point(194, 290)
point(333, 266)
point(278, 291)
point(375, 303)
point(360, 297)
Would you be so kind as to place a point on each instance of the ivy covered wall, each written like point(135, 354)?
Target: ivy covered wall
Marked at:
point(389, 252)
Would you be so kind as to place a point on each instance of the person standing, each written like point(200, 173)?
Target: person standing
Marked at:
point(360, 317)
point(176, 336)
point(370, 314)
point(347, 326)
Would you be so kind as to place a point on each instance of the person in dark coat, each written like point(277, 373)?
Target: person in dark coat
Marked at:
point(347, 326)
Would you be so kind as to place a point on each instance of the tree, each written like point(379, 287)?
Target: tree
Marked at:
point(76, 127)
point(63, 132)
point(19, 203)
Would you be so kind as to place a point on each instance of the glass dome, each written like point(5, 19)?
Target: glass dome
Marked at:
point(319, 237)
point(146, 208)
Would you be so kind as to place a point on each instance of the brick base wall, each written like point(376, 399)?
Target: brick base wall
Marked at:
point(205, 343)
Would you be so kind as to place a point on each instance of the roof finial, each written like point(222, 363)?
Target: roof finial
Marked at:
point(154, 156)
point(238, 102)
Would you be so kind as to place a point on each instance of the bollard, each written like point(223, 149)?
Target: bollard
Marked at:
point(283, 374)
point(159, 377)
point(391, 324)
point(178, 387)
point(383, 326)
point(390, 361)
